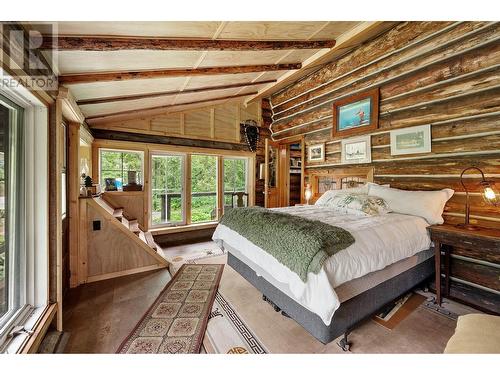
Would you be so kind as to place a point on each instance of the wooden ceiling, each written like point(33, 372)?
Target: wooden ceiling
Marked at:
point(116, 67)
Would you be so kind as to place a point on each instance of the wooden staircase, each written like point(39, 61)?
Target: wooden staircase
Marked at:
point(112, 244)
point(129, 222)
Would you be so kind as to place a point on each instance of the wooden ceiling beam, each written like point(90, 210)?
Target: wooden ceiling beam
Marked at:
point(111, 99)
point(89, 77)
point(103, 43)
point(91, 119)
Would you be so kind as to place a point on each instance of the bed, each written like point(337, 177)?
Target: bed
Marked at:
point(390, 256)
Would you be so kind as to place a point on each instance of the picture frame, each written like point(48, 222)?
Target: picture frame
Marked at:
point(356, 150)
point(356, 114)
point(316, 152)
point(413, 140)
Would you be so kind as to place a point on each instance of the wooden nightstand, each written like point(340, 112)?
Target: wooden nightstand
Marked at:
point(474, 263)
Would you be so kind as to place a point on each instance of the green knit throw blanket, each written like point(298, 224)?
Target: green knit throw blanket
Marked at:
point(300, 244)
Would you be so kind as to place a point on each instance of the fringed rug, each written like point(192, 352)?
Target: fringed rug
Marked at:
point(227, 332)
point(177, 320)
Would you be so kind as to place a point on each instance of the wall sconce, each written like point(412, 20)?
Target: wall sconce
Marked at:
point(488, 193)
point(308, 193)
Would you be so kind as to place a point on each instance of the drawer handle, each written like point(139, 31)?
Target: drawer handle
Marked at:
point(468, 242)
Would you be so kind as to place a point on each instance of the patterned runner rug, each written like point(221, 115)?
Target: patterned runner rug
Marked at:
point(227, 332)
point(177, 320)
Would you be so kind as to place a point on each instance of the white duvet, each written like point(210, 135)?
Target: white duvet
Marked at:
point(379, 241)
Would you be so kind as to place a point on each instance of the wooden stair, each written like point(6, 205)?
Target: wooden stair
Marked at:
point(129, 222)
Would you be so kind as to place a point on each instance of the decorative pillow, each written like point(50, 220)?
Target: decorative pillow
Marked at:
point(329, 194)
point(359, 204)
point(426, 204)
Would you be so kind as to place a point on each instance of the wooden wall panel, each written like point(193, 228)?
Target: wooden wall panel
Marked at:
point(446, 74)
point(169, 124)
point(197, 124)
point(225, 119)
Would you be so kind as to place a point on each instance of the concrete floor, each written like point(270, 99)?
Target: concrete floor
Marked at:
point(100, 315)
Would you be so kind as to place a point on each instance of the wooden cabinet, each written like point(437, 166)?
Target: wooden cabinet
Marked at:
point(468, 261)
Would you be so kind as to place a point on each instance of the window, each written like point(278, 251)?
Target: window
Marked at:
point(167, 190)
point(23, 212)
point(209, 189)
point(203, 188)
point(235, 182)
point(116, 165)
point(11, 253)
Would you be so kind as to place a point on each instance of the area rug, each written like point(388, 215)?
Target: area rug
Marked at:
point(177, 320)
point(227, 333)
point(399, 310)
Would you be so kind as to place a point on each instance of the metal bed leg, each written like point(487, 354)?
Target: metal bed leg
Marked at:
point(344, 344)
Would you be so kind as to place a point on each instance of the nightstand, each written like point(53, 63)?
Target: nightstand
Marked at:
point(471, 260)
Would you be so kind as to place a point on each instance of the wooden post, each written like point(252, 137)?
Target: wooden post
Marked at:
point(57, 209)
point(187, 189)
point(73, 172)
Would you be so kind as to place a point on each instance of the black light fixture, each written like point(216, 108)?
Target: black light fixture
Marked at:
point(488, 193)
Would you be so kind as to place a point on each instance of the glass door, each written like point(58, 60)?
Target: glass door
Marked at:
point(167, 189)
point(203, 188)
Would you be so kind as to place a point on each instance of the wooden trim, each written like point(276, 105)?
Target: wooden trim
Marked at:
point(113, 135)
point(73, 171)
point(146, 190)
point(57, 187)
point(212, 123)
point(187, 188)
point(220, 186)
point(108, 43)
point(91, 77)
point(111, 99)
point(183, 228)
point(82, 245)
point(70, 109)
point(92, 119)
point(132, 271)
point(33, 343)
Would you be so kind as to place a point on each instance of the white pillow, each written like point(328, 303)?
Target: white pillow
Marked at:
point(330, 194)
point(426, 204)
point(359, 204)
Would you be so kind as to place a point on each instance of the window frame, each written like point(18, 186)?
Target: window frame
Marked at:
point(184, 220)
point(220, 156)
point(99, 158)
point(34, 216)
point(247, 175)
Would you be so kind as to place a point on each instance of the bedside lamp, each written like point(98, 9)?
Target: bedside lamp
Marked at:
point(308, 193)
point(488, 192)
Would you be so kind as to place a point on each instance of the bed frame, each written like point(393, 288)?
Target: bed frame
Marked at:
point(350, 313)
point(355, 310)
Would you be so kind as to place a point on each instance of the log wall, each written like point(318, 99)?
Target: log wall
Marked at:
point(445, 74)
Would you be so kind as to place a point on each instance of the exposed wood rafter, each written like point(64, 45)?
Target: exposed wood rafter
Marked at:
point(122, 98)
point(165, 73)
point(92, 119)
point(102, 43)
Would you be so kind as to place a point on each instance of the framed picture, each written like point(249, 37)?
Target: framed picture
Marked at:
point(356, 150)
point(317, 152)
point(110, 184)
point(357, 114)
point(414, 140)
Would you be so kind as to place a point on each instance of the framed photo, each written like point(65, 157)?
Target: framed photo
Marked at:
point(414, 140)
point(357, 114)
point(356, 150)
point(316, 152)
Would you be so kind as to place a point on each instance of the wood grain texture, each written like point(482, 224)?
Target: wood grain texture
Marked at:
point(439, 73)
point(72, 79)
point(97, 43)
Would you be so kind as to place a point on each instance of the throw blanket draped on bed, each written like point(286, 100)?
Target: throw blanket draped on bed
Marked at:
point(301, 244)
